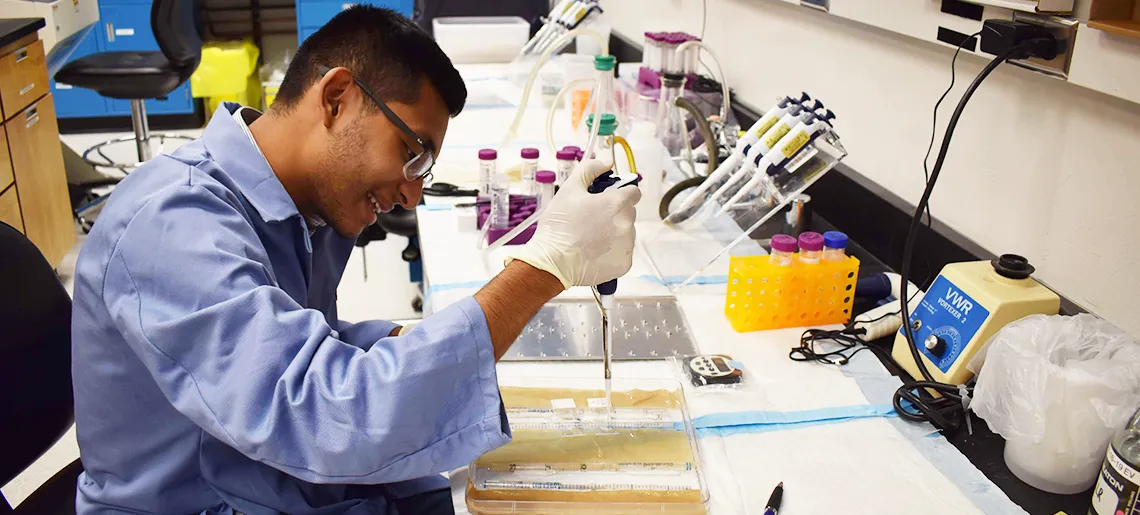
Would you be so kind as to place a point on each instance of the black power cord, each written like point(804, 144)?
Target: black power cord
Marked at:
point(934, 118)
point(850, 337)
point(947, 409)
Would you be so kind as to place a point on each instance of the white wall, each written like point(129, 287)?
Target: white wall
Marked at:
point(1037, 166)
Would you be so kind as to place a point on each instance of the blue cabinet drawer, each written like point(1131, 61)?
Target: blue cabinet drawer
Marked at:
point(178, 102)
point(314, 14)
point(73, 102)
point(403, 7)
point(126, 28)
point(303, 33)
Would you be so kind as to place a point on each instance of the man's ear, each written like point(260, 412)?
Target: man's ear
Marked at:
point(333, 89)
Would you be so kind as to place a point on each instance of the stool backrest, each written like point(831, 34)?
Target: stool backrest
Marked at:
point(35, 355)
point(178, 30)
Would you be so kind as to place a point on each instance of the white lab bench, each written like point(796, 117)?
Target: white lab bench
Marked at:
point(873, 464)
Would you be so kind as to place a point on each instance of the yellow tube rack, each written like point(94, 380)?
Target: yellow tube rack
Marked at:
point(766, 296)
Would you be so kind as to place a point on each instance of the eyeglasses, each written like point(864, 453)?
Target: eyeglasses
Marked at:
point(418, 166)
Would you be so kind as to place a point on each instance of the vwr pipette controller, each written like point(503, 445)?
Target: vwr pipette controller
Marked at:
point(606, 290)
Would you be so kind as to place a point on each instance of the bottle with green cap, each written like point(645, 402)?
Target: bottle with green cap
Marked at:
point(604, 146)
point(604, 66)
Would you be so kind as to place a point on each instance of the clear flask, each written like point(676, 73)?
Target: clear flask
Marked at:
point(671, 128)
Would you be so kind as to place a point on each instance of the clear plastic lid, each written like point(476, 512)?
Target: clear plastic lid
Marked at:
point(578, 448)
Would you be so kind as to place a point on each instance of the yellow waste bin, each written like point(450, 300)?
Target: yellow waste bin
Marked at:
point(227, 73)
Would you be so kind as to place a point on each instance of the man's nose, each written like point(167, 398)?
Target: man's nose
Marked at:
point(410, 193)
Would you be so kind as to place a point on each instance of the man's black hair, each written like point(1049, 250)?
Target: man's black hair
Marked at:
point(383, 49)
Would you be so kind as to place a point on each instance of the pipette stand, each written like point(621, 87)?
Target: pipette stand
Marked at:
point(712, 235)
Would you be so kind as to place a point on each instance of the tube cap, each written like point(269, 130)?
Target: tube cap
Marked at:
point(572, 148)
point(529, 153)
point(834, 240)
point(783, 243)
point(488, 154)
point(566, 154)
point(608, 126)
point(545, 177)
point(579, 155)
point(811, 241)
point(604, 62)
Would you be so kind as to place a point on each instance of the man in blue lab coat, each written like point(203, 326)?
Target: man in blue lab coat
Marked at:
point(211, 373)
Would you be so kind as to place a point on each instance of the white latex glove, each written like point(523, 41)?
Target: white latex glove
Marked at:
point(584, 238)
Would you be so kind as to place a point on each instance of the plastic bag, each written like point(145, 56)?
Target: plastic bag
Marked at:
point(1057, 388)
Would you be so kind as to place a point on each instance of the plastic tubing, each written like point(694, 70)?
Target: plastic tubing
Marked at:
point(512, 131)
point(726, 105)
point(618, 140)
point(703, 126)
point(574, 84)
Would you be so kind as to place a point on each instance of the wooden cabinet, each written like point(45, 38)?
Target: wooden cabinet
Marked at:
point(37, 163)
point(6, 176)
point(23, 77)
point(10, 209)
point(33, 183)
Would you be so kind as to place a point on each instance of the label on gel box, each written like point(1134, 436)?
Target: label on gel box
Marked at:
point(562, 404)
point(598, 402)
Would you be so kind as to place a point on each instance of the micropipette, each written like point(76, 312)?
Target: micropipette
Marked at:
point(549, 24)
point(788, 147)
point(793, 118)
point(730, 164)
point(606, 290)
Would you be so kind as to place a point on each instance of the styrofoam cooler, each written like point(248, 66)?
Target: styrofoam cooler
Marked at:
point(481, 39)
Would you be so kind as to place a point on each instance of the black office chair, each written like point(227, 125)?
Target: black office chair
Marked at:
point(35, 372)
point(137, 76)
point(401, 222)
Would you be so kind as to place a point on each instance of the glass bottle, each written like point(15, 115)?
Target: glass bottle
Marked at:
point(1118, 489)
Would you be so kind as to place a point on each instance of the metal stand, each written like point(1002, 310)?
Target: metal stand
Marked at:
point(142, 130)
point(141, 139)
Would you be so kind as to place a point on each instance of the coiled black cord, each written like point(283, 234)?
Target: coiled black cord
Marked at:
point(947, 409)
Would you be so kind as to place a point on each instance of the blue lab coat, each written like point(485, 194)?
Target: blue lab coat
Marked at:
point(211, 373)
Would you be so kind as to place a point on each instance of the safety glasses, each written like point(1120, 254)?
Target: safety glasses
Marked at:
point(419, 165)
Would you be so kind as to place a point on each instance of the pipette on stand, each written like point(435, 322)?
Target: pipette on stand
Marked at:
point(549, 25)
point(569, 20)
point(809, 128)
point(762, 147)
point(729, 166)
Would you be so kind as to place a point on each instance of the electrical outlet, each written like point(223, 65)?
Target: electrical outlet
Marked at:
point(1062, 28)
point(822, 5)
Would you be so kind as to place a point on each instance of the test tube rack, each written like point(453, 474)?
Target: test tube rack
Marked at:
point(762, 295)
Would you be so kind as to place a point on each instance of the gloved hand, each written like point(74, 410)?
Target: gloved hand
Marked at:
point(583, 238)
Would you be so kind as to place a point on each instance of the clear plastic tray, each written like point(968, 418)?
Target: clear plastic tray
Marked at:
point(577, 450)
